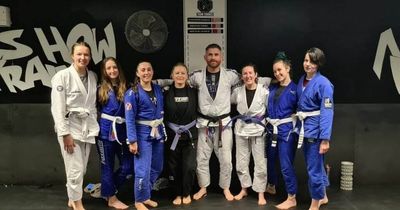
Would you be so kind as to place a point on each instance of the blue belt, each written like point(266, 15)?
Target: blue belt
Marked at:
point(179, 129)
point(248, 120)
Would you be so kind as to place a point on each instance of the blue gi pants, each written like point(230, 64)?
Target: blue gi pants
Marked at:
point(148, 166)
point(317, 178)
point(110, 180)
point(285, 151)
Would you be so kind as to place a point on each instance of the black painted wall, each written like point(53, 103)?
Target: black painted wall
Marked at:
point(348, 32)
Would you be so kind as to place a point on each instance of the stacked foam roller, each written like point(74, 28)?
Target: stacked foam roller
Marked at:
point(346, 180)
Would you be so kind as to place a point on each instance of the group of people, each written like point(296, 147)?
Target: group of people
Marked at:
point(132, 123)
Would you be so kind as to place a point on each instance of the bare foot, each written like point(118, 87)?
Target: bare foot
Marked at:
point(261, 199)
point(242, 194)
point(323, 201)
point(202, 193)
point(288, 203)
point(150, 203)
point(76, 205)
point(115, 203)
point(314, 205)
point(187, 200)
point(140, 206)
point(228, 195)
point(270, 189)
point(177, 200)
point(71, 204)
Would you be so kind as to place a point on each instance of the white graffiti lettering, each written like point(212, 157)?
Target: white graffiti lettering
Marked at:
point(20, 51)
point(387, 40)
point(38, 69)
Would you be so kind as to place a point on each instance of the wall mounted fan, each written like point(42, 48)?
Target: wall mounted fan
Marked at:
point(146, 31)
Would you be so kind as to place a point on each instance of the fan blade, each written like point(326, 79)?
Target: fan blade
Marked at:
point(157, 38)
point(145, 20)
point(136, 38)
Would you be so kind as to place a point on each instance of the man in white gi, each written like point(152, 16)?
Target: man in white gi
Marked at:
point(214, 89)
point(73, 106)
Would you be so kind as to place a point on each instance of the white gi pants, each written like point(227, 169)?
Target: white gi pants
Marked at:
point(245, 146)
point(205, 147)
point(75, 167)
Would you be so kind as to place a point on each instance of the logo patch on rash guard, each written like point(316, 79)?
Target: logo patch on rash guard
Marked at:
point(181, 99)
point(60, 88)
point(128, 106)
point(327, 103)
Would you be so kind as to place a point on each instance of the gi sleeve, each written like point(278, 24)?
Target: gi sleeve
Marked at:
point(265, 81)
point(194, 79)
point(58, 105)
point(163, 82)
point(130, 115)
point(235, 78)
point(234, 96)
point(326, 115)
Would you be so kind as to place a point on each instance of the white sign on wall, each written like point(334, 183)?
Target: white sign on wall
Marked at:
point(5, 18)
point(204, 22)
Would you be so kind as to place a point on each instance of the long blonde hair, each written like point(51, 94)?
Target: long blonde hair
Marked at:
point(106, 84)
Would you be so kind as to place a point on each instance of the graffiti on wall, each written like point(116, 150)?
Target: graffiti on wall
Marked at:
point(387, 41)
point(42, 63)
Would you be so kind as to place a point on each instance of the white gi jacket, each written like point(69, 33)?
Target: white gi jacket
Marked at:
point(257, 108)
point(221, 105)
point(73, 107)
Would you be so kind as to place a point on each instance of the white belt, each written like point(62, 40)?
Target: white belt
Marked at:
point(303, 115)
point(276, 122)
point(81, 113)
point(154, 126)
point(114, 120)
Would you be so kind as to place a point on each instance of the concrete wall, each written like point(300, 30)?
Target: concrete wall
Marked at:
point(367, 134)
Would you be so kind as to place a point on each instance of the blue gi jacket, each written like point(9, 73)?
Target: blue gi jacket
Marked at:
point(138, 106)
point(113, 107)
point(317, 95)
point(282, 108)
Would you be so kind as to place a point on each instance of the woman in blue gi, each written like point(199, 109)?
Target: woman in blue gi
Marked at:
point(112, 136)
point(180, 116)
point(146, 133)
point(282, 142)
point(315, 113)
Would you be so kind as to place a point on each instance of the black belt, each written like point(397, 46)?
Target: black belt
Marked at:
point(215, 120)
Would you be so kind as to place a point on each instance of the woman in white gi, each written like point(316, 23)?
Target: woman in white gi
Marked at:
point(315, 113)
point(249, 132)
point(73, 106)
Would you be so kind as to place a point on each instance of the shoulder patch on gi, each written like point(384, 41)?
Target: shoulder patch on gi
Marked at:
point(60, 88)
point(130, 92)
point(128, 106)
point(327, 103)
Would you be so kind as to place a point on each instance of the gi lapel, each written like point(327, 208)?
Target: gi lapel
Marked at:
point(79, 82)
